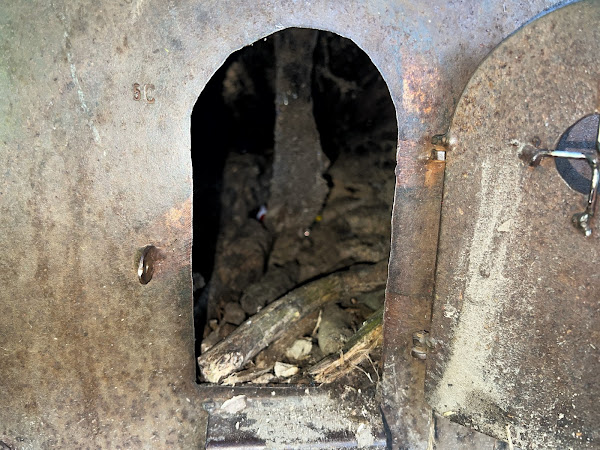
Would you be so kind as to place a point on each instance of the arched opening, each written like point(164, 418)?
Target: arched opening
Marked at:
point(293, 151)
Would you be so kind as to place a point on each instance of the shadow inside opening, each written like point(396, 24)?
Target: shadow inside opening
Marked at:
point(293, 153)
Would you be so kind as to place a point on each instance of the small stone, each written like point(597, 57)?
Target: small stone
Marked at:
point(225, 330)
point(234, 405)
point(506, 226)
point(364, 436)
point(300, 349)
point(234, 314)
point(283, 370)
point(334, 330)
point(209, 341)
point(245, 376)
point(374, 300)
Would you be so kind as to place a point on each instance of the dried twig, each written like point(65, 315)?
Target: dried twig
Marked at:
point(509, 438)
point(318, 324)
point(374, 367)
point(431, 440)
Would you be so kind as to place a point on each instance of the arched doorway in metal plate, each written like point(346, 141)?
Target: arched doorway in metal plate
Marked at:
point(293, 149)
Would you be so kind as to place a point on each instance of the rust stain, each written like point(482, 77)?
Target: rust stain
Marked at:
point(172, 232)
point(434, 173)
point(419, 85)
point(179, 218)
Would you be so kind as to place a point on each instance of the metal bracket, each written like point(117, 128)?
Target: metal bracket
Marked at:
point(581, 220)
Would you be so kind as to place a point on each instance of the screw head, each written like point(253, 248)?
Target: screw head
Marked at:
point(149, 258)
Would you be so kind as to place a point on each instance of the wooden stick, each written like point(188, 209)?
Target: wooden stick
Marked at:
point(357, 349)
point(245, 376)
point(260, 330)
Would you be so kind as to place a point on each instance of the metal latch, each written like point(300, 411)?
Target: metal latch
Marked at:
point(581, 220)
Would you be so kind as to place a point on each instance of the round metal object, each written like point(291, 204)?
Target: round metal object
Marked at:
point(580, 137)
point(516, 312)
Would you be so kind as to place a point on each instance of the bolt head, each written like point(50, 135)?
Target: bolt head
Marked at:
point(419, 353)
point(438, 155)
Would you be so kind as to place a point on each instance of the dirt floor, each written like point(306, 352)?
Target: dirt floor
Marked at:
point(250, 246)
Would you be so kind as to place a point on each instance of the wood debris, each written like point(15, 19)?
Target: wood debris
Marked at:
point(247, 376)
point(357, 350)
point(300, 189)
point(235, 351)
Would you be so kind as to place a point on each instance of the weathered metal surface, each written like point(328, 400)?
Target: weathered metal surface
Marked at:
point(310, 417)
point(95, 106)
point(517, 287)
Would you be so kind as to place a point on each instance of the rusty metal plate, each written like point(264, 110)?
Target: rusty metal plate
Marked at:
point(515, 324)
